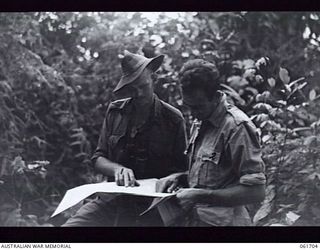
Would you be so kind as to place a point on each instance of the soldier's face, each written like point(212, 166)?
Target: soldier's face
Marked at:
point(200, 105)
point(141, 90)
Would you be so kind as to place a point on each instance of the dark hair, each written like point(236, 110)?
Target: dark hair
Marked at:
point(199, 74)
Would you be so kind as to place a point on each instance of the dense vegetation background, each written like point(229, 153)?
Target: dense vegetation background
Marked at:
point(57, 72)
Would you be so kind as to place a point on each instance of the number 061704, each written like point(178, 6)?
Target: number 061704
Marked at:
point(309, 245)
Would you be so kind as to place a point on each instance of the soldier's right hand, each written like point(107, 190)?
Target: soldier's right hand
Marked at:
point(168, 184)
point(125, 177)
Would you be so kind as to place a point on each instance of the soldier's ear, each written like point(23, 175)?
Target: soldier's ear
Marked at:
point(216, 96)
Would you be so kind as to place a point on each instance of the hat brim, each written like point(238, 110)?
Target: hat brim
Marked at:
point(150, 63)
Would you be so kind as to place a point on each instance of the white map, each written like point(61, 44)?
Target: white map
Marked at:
point(75, 195)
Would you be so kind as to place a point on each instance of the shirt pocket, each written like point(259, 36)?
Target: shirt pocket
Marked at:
point(210, 170)
point(161, 143)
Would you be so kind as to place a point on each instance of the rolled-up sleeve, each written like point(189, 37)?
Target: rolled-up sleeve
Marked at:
point(245, 152)
point(102, 147)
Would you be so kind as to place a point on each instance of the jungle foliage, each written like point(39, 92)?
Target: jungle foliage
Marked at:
point(58, 70)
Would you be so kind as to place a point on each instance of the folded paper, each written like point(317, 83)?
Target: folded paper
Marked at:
point(75, 195)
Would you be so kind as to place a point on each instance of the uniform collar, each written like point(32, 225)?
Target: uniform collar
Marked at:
point(127, 107)
point(218, 114)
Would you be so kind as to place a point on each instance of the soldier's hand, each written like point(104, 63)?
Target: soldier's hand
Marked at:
point(125, 177)
point(168, 184)
point(187, 197)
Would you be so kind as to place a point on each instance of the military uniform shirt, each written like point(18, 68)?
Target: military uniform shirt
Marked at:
point(165, 139)
point(224, 151)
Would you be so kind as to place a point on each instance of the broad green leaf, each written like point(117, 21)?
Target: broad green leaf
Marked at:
point(312, 95)
point(177, 44)
point(214, 26)
point(264, 107)
point(237, 82)
point(291, 108)
point(283, 103)
point(185, 54)
point(262, 118)
point(249, 74)
point(302, 113)
point(18, 164)
point(270, 125)
point(248, 64)
point(259, 79)
point(291, 217)
point(273, 112)
point(155, 40)
point(252, 90)
point(266, 138)
point(196, 52)
point(300, 122)
point(33, 166)
point(284, 75)
point(167, 64)
point(272, 82)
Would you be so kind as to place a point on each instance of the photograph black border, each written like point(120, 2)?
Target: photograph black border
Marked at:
point(156, 235)
point(161, 235)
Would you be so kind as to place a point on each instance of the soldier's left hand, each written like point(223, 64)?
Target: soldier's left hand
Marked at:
point(187, 197)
